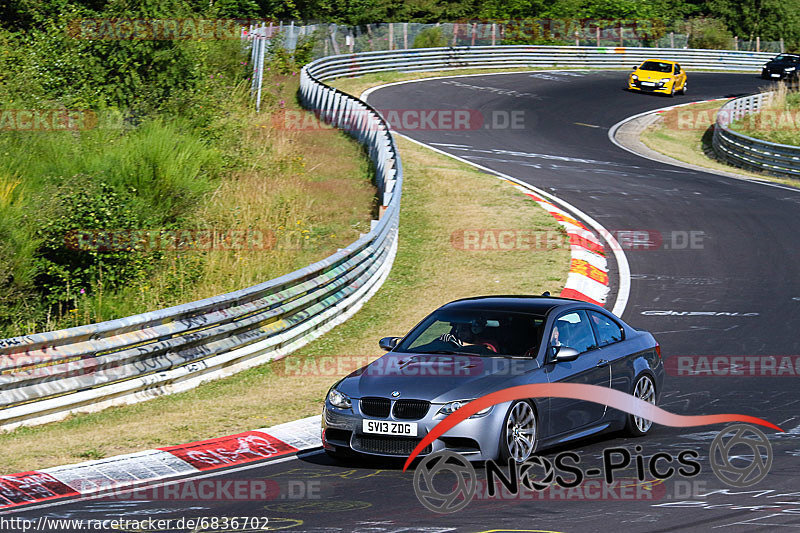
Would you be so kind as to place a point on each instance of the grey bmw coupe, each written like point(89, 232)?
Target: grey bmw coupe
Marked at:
point(475, 346)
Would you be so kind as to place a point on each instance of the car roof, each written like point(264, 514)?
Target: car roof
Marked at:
point(522, 303)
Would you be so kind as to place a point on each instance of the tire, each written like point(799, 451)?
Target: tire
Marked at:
point(672, 91)
point(644, 389)
point(519, 436)
point(683, 89)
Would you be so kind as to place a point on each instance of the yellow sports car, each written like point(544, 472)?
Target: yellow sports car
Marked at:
point(658, 76)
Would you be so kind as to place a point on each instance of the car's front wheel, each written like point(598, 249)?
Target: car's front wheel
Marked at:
point(519, 437)
point(644, 389)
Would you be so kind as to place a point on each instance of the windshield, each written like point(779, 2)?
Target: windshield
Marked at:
point(785, 57)
point(476, 332)
point(656, 66)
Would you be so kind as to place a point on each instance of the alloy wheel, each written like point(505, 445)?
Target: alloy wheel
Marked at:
point(521, 431)
point(644, 390)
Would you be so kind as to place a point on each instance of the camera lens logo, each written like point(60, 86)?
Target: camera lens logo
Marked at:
point(453, 500)
point(722, 454)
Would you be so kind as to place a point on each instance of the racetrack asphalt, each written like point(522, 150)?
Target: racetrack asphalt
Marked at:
point(740, 272)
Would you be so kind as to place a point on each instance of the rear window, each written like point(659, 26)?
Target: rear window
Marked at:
point(608, 331)
point(656, 66)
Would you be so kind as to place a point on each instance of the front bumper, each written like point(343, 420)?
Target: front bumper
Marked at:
point(780, 74)
point(477, 439)
point(656, 87)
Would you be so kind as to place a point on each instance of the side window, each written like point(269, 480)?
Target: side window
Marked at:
point(574, 331)
point(677, 68)
point(607, 330)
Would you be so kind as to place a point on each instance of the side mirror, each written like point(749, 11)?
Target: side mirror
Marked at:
point(388, 343)
point(564, 353)
point(635, 67)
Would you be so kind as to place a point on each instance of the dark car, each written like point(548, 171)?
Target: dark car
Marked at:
point(781, 67)
point(472, 347)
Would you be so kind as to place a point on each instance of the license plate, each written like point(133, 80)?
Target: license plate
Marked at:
point(381, 427)
point(648, 83)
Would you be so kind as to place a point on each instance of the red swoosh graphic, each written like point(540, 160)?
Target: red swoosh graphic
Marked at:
point(590, 393)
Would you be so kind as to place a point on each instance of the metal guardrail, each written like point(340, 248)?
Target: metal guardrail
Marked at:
point(749, 152)
point(422, 59)
point(45, 376)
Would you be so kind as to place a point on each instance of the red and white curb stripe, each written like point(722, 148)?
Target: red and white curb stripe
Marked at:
point(141, 468)
point(587, 279)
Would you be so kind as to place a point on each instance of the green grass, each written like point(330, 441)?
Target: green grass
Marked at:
point(778, 122)
point(693, 144)
point(312, 190)
point(440, 196)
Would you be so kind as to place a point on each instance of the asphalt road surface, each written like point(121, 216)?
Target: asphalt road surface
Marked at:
point(721, 247)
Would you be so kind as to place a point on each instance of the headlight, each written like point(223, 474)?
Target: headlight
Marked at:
point(452, 407)
point(789, 69)
point(338, 399)
point(634, 77)
point(665, 80)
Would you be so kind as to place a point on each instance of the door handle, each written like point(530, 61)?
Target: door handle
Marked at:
point(602, 362)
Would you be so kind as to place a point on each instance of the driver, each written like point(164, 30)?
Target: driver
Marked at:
point(554, 337)
point(464, 334)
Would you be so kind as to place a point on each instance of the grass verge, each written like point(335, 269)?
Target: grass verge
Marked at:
point(776, 122)
point(440, 196)
point(312, 193)
point(685, 134)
